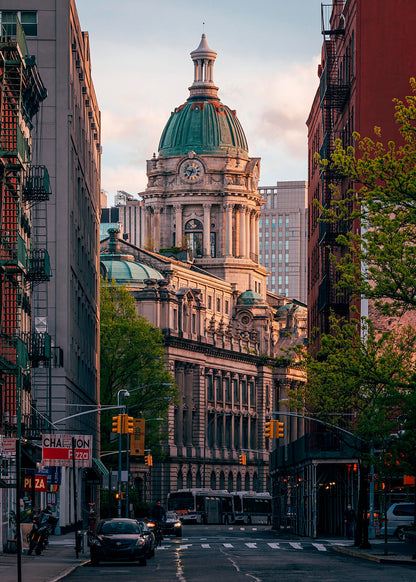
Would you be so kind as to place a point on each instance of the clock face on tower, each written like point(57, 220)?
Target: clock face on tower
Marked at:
point(191, 170)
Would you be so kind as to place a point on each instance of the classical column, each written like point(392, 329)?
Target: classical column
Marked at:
point(228, 230)
point(257, 236)
point(156, 219)
point(149, 229)
point(207, 230)
point(247, 233)
point(252, 234)
point(180, 379)
point(242, 234)
point(178, 222)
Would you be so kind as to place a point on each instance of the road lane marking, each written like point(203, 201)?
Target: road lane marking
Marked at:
point(274, 546)
point(185, 546)
point(254, 546)
point(320, 547)
point(228, 545)
point(296, 545)
point(205, 545)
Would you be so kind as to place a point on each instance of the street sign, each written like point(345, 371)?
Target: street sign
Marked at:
point(137, 437)
point(41, 482)
point(57, 450)
point(9, 446)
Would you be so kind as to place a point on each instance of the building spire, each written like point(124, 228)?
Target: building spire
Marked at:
point(203, 85)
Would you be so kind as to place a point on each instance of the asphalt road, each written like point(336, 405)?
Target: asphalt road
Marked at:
point(250, 554)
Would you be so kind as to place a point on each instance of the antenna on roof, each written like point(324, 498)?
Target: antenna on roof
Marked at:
point(203, 27)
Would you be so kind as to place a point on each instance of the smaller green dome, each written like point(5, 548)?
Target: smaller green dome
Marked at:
point(127, 271)
point(251, 298)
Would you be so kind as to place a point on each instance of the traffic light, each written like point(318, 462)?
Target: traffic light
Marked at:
point(148, 460)
point(242, 459)
point(128, 424)
point(117, 423)
point(280, 429)
point(269, 429)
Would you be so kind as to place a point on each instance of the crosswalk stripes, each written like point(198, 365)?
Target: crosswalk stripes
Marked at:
point(239, 544)
point(320, 547)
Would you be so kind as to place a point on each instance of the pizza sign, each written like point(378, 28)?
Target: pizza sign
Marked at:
point(39, 482)
point(57, 450)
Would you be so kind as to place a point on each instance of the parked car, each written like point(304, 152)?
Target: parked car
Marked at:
point(172, 525)
point(118, 540)
point(400, 517)
point(150, 539)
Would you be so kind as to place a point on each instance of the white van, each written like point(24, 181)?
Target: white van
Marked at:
point(400, 517)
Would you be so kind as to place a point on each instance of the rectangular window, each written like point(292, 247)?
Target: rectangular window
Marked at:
point(209, 302)
point(193, 323)
point(218, 304)
point(287, 245)
point(244, 392)
point(274, 223)
point(273, 245)
point(226, 307)
point(236, 393)
point(210, 391)
point(28, 20)
point(218, 388)
point(227, 390)
point(213, 244)
point(280, 257)
point(280, 245)
point(286, 258)
point(266, 246)
point(280, 222)
point(287, 221)
point(267, 223)
point(260, 245)
point(175, 319)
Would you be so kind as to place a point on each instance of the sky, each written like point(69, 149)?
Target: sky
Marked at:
point(266, 68)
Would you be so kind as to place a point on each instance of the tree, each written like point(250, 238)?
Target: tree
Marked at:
point(380, 262)
point(132, 356)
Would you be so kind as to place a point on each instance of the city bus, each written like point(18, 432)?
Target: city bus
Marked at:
point(252, 508)
point(201, 505)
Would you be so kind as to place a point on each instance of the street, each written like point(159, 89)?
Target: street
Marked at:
point(250, 553)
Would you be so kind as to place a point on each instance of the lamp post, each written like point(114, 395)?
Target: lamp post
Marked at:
point(119, 394)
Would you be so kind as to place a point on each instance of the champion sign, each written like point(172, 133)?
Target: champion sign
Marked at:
point(57, 450)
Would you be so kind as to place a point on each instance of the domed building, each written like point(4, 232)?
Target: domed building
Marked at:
point(222, 327)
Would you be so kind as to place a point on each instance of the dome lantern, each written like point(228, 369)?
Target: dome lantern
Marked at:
point(203, 85)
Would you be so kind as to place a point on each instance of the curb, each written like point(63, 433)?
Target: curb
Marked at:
point(68, 571)
point(373, 558)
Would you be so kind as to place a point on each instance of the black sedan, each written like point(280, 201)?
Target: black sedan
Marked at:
point(118, 540)
point(149, 537)
point(172, 525)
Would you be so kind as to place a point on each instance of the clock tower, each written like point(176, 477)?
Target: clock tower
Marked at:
point(202, 186)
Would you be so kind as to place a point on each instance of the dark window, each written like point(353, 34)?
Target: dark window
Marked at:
point(218, 304)
point(218, 387)
point(210, 392)
point(236, 392)
point(28, 20)
point(244, 392)
point(227, 390)
point(213, 240)
point(404, 509)
point(252, 394)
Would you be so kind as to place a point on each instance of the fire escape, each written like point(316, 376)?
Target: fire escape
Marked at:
point(335, 85)
point(21, 265)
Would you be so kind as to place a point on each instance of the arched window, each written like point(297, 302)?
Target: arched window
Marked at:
point(194, 232)
point(189, 479)
point(213, 481)
point(180, 480)
point(247, 482)
point(230, 482)
point(222, 480)
point(255, 483)
point(198, 481)
point(239, 482)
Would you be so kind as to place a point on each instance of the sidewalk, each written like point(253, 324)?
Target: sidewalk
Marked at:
point(401, 553)
point(57, 561)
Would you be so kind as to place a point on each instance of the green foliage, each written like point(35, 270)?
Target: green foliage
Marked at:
point(132, 356)
point(383, 198)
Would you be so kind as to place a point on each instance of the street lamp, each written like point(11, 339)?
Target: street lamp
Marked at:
point(205, 443)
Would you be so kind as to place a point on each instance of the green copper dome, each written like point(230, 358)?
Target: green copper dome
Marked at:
point(127, 271)
point(203, 124)
point(251, 298)
point(205, 127)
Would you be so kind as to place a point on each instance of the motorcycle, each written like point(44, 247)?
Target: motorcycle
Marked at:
point(42, 526)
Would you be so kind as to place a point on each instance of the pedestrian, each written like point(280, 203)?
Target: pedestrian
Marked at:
point(349, 520)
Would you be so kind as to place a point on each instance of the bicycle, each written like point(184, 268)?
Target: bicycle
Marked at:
point(158, 533)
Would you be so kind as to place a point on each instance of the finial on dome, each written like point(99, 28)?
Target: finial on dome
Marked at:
point(204, 58)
